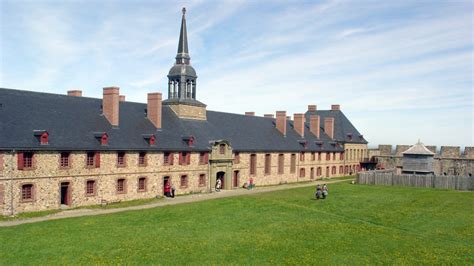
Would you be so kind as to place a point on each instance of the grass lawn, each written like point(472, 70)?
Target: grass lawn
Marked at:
point(356, 225)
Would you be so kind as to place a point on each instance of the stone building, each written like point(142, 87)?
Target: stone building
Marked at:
point(69, 150)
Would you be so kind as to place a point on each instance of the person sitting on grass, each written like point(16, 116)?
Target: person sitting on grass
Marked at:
point(325, 191)
point(318, 192)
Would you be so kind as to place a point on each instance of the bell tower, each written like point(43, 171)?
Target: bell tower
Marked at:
point(182, 81)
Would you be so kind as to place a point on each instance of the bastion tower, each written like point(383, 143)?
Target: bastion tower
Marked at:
point(182, 82)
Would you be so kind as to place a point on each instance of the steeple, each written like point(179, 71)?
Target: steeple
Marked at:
point(183, 54)
point(182, 81)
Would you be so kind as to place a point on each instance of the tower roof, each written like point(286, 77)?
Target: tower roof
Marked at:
point(419, 149)
point(183, 39)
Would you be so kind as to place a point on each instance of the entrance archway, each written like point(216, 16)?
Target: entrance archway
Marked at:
point(221, 176)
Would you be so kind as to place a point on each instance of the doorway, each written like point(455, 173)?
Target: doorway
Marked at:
point(65, 193)
point(166, 179)
point(236, 178)
point(312, 173)
point(221, 176)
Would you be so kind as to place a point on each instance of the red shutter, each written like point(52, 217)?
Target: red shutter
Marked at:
point(171, 158)
point(21, 161)
point(206, 158)
point(97, 159)
point(180, 158)
point(188, 158)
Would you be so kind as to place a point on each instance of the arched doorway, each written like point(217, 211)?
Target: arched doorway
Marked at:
point(235, 179)
point(221, 176)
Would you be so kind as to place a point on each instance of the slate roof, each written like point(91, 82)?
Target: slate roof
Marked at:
point(419, 149)
point(73, 123)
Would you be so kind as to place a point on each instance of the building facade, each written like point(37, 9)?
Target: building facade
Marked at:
point(69, 150)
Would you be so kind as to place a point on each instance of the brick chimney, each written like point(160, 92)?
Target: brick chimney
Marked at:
point(154, 108)
point(122, 98)
point(110, 105)
point(312, 108)
point(329, 126)
point(268, 116)
point(335, 107)
point(281, 122)
point(298, 122)
point(314, 125)
point(76, 93)
point(250, 113)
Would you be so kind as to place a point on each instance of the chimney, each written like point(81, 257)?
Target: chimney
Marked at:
point(335, 107)
point(329, 126)
point(250, 113)
point(110, 105)
point(122, 98)
point(268, 116)
point(288, 118)
point(314, 125)
point(298, 122)
point(312, 108)
point(154, 108)
point(281, 122)
point(76, 93)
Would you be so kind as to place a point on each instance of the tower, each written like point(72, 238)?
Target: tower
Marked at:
point(182, 81)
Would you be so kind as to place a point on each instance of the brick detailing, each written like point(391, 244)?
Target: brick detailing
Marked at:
point(335, 107)
point(329, 126)
point(110, 105)
point(154, 108)
point(76, 93)
point(281, 122)
point(299, 124)
point(312, 108)
point(314, 125)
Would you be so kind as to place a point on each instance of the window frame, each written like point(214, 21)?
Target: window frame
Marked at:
point(268, 164)
point(145, 184)
point(202, 177)
point(31, 192)
point(142, 160)
point(124, 186)
point(253, 164)
point(94, 188)
point(65, 162)
point(121, 160)
point(186, 181)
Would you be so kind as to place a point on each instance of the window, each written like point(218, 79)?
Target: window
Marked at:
point(44, 138)
point(121, 186)
point(184, 158)
point(293, 163)
point(302, 156)
point(302, 172)
point(203, 158)
point(222, 148)
point(341, 156)
point(183, 181)
point(236, 158)
point(120, 159)
point(341, 169)
point(25, 160)
point(327, 171)
point(141, 184)
point(334, 156)
point(328, 156)
point(142, 159)
point(319, 156)
point(168, 158)
point(152, 140)
point(311, 175)
point(319, 171)
point(268, 164)
point(64, 160)
point(333, 170)
point(281, 163)
point(93, 159)
point(313, 156)
point(90, 188)
point(104, 140)
point(253, 164)
point(27, 192)
point(202, 180)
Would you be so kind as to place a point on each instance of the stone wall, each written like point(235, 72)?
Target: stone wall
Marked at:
point(448, 161)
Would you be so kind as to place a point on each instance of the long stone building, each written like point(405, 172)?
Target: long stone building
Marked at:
point(69, 150)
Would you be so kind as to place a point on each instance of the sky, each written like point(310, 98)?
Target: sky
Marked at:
point(401, 70)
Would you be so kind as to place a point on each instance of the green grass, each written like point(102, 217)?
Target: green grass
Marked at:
point(356, 225)
point(122, 204)
point(26, 215)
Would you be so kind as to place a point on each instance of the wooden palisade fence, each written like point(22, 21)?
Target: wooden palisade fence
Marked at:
point(390, 178)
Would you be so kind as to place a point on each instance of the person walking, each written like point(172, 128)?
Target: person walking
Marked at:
point(318, 191)
point(218, 185)
point(325, 191)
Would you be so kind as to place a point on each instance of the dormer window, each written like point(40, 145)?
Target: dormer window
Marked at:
point(361, 136)
point(104, 139)
point(349, 136)
point(303, 143)
point(319, 143)
point(150, 139)
point(189, 140)
point(42, 136)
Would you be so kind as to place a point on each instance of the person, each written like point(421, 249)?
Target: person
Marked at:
point(318, 192)
point(218, 185)
point(251, 183)
point(167, 189)
point(173, 190)
point(325, 191)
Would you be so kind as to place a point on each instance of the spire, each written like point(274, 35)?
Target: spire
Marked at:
point(183, 55)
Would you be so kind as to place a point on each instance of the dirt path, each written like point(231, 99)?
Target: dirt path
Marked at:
point(165, 202)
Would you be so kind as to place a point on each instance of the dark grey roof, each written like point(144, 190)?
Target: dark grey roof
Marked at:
point(179, 70)
point(183, 38)
point(344, 131)
point(73, 123)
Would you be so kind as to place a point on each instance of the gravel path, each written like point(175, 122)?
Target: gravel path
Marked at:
point(166, 202)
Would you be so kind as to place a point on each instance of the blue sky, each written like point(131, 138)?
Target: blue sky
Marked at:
point(401, 70)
